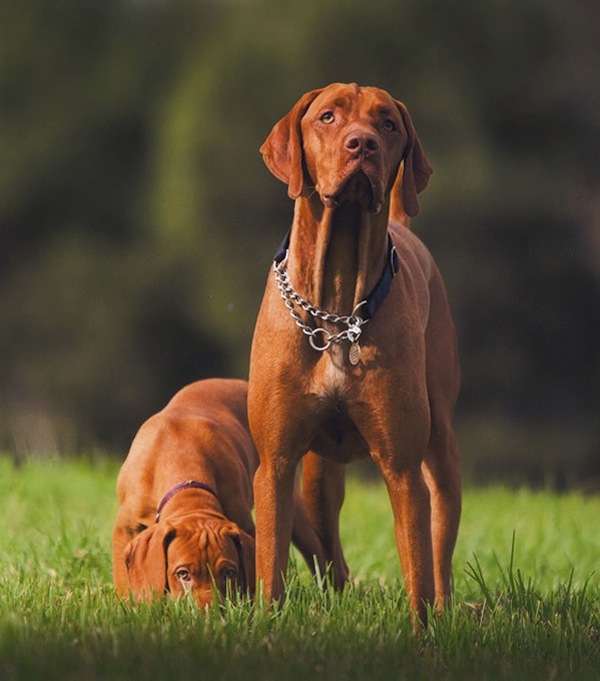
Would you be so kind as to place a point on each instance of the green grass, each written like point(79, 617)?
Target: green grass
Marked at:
point(526, 595)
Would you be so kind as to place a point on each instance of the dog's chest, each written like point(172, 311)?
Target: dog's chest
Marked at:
point(334, 373)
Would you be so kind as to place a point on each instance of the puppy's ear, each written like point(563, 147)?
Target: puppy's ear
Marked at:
point(245, 546)
point(146, 561)
point(413, 174)
point(282, 150)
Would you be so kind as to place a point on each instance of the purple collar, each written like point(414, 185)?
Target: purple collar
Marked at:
point(182, 485)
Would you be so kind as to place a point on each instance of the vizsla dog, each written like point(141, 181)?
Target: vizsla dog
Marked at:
point(185, 495)
point(354, 352)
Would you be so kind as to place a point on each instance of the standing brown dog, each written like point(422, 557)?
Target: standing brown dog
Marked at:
point(185, 494)
point(327, 385)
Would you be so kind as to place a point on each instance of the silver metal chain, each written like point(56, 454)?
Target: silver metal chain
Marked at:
point(319, 337)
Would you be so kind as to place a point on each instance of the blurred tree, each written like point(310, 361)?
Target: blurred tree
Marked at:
point(137, 221)
point(96, 331)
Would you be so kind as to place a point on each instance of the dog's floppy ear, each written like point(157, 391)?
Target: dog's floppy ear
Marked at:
point(246, 554)
point(414, 172)
point(282, 150)
point(146, 561)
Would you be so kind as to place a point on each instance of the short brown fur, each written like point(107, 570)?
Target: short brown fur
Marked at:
point(355, 166)
point(202, 435)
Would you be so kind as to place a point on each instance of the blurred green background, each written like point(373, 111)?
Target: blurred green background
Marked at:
point(137, 221)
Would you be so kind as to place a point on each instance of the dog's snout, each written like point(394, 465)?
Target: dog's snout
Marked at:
point(362, 142)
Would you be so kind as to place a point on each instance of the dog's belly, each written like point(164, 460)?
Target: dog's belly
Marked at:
point(338, 440)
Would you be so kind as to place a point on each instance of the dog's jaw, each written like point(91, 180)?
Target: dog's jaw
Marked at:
point(359, 188)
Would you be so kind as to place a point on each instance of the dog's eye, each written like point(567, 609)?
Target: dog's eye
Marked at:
point(229, 574)
point(327, 117)
point(388, 125)
point(183, 575)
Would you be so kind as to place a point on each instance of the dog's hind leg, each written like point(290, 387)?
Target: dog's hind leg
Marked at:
point(305, 538)
point(323, 489)
point(441, 465)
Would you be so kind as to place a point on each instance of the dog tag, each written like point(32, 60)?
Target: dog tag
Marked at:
point(354, 354)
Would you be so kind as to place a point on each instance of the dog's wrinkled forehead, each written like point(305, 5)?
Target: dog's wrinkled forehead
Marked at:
point(202, 536)
point(352, 98)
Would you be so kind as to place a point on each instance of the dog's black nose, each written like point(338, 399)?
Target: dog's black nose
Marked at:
point(362, 143)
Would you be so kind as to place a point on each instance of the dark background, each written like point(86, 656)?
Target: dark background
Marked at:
point(137, 221)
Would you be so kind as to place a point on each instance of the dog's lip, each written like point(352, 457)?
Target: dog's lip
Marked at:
point(353, 183)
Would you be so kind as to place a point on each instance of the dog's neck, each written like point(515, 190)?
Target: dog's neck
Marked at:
point(200, 514)
point(192, 501)
point(336, 254)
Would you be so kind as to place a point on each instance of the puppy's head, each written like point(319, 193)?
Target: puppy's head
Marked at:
point(192, 555)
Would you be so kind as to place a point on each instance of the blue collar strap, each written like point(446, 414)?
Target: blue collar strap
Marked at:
point(376, 297)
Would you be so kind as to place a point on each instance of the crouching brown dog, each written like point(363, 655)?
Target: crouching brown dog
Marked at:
point(185, 493)
point(354, 351)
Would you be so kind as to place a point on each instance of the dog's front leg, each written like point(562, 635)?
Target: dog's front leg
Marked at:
point(274, 503)
point(409, 497)
point(397, 439)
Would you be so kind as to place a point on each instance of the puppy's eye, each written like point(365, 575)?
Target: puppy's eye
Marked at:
point(327, 117)
point(229, 573)
point(183, 575)
point(388, 125)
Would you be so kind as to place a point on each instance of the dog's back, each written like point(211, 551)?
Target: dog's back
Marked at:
point(178, 442)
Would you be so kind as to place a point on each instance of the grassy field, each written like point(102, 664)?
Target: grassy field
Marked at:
point(527, 591)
